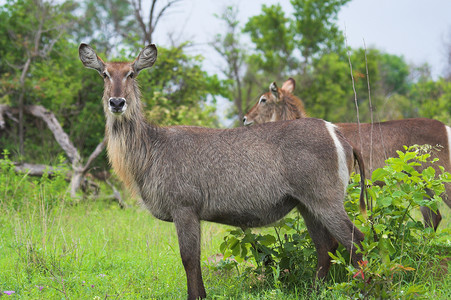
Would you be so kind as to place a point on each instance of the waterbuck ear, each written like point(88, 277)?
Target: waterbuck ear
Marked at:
point(145, 59)
point(289, 85)
point(90, 59)
point(274, 90)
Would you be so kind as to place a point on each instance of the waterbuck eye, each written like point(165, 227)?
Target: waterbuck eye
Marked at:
point(105, 75)
point(131, 74)
point(262, 100)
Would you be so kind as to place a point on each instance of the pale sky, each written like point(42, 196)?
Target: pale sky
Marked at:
point(416, 29)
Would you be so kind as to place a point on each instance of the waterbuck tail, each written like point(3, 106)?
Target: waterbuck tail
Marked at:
point(358, 158)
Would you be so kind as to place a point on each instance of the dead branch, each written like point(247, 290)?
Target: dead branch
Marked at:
point(94, 155)
point(149, 28)
point(34, 169)
point(3, 109)
point(55, 127)
point(116, 195)
point(78, 170)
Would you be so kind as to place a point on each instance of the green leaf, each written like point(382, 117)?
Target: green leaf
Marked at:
point(409, 155)
point(429, 173)
point(385, 201)
point(223, 247)
point(386, 245)
point(267, 240)
point(379, 228)
point(379, 175)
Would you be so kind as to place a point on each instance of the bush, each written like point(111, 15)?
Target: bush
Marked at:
point(281, 260)
point(398, 249)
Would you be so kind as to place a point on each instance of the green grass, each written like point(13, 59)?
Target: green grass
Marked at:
point(95, 250)
point(92, 250)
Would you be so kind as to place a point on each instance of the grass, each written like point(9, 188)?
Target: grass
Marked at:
point(95, 250)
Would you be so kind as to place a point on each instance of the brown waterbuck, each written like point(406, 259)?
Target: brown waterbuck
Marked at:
point(376, 141)
point(246, 177)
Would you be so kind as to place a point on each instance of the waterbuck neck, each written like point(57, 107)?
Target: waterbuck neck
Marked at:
point(130, 141)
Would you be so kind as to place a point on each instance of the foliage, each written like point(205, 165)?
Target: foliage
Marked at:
point(431, 99)
point(328, 93)
point(328, 96)
point(315, 26)
point(18, 191)
point(106, 24)
point(239, 83)
point(273, 37)
point(177, 91)
point(397, 249)
point(396, 244)
point(32, 28)
point(282, 259)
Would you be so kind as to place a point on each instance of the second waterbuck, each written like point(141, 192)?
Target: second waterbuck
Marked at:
point(246, 177)
point(376, 141)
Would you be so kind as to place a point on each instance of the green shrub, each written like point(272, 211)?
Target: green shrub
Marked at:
point(398, 249)
point(281, 259)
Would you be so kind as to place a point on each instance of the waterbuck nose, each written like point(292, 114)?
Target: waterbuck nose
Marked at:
point(117, 103)
point(246, 122)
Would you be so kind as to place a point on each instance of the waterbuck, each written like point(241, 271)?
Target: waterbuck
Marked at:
point(376, 141)
point(246, 177)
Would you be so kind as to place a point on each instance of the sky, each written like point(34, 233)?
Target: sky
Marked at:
point(416, 29)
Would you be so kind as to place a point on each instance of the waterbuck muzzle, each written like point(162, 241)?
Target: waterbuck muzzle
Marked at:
point(117, 105)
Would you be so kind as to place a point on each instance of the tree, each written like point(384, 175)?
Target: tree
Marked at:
point(106, 24)
point(273, 36)
point(230, 48)
point(293, 46)
point(315, 27)
point(110, 24)
point(148, 28)
point(34, 26)
point(177, 91)
point(330, 94)
point(431, 99)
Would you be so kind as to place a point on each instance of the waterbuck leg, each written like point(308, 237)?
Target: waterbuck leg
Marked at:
point(447, 195)
point(337, 222)
point(431, 219)
point(323, 240)
point(188, 231)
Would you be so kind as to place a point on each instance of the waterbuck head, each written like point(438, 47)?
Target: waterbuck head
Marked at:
point(276, 105)
point(121, 92)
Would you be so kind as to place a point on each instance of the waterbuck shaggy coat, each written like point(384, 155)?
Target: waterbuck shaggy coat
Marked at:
point(376, 141)
point(248, 176)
